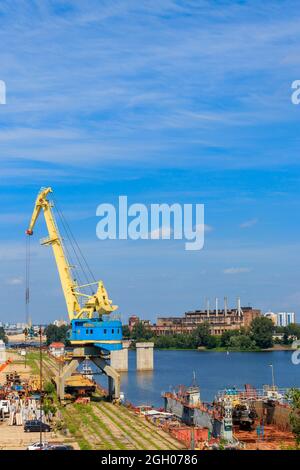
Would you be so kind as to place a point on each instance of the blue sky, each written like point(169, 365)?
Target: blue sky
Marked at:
point(169, 101)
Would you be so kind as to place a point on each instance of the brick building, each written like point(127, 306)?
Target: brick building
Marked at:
point(219, 321)
point(134, 319)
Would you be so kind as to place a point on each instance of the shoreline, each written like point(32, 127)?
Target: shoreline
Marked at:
point(274, 349)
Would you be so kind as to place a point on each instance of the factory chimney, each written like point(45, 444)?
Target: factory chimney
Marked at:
point(207, 306)
point(239, 306)
point(217, 306)
point(225, 306)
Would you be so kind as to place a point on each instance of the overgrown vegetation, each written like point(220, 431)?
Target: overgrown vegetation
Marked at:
point(262, 330)
point(289, 333)
point(55, 333)
point(294, 396)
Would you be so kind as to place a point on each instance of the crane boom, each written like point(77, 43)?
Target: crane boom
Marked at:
point(98, 303)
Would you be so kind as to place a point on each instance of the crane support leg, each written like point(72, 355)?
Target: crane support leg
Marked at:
point(65, 374)
point(80, 354)
point(114, 380)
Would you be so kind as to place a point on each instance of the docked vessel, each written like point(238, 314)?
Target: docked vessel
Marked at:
point(185, 404)
point(87, 371)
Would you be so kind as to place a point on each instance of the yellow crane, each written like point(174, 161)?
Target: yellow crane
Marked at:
point(95, 305)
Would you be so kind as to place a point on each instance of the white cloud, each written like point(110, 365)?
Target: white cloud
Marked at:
point(207, 228)
point(167, 231)
point(249, 223)
point(162, 232)
point(14, 281)
point(236, 270)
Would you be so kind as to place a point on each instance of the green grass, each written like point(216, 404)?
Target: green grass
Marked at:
point(75, 431)
point(120, 426)
point(87, 416)
point(129, 424)
point(106, 430)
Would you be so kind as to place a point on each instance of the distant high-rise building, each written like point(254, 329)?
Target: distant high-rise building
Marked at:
point(285, 318)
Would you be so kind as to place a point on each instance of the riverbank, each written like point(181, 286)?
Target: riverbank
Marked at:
point(276, 347)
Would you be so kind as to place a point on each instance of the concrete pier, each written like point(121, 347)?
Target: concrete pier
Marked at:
point(144, 356)
point(119, 359)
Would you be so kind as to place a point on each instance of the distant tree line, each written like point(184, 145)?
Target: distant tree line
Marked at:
point(289, 333)
point(258, 336)
point(3, 335)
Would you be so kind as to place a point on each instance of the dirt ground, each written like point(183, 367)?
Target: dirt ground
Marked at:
point(14, 437)
point(274, 439)
point(20, 338)
point(14, 366)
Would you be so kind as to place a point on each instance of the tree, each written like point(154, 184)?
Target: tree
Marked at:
point(3, 335)
point(202, 334)
point(293, 330)
point(164, 342)
point(212, 342)
point(242, 342)
point(261, 330)
point(56, 334)
point(226, 337)
point(126, 331)
point(140, 331)
point(180, 341)
point(294, 396)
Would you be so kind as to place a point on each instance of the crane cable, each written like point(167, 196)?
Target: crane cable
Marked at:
point(27, 279)
point(68, 236)
point(85, 268)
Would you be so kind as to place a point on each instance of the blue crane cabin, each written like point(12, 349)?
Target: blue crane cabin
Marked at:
point(104, 334)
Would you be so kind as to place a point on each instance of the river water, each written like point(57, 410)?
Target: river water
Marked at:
point(214, 371)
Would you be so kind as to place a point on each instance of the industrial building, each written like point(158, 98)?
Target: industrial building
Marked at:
point(134, 320)
point(219, 319)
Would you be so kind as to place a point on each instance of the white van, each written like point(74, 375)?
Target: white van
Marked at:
point(4, 407)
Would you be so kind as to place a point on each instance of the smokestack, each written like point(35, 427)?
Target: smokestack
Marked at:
point(217, 306)
point(207, 307)
point(225, 306)
point(238, 302)
point(239, 306)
